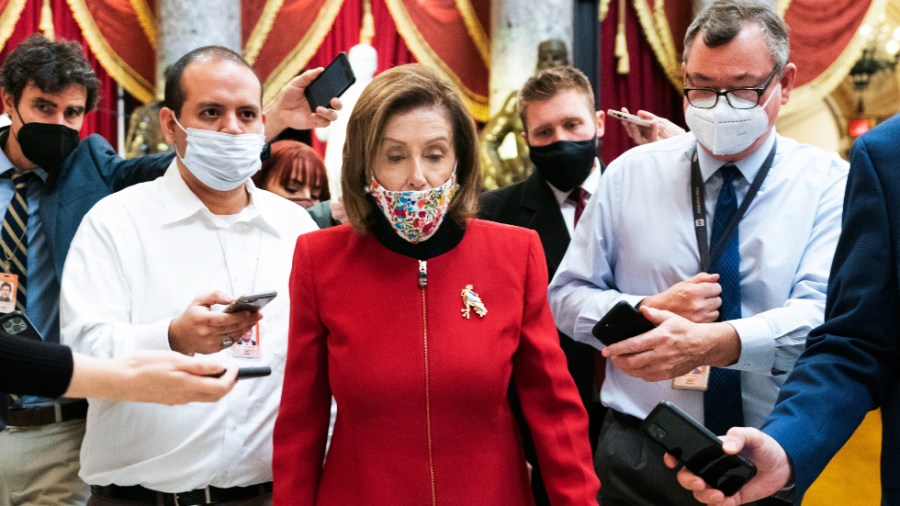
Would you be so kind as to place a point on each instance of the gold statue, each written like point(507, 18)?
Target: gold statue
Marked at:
point(144, 135)
point(501, 170)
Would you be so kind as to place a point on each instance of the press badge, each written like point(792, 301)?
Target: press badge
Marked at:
point(247, 346)
point(698, 379)
point(9, 285)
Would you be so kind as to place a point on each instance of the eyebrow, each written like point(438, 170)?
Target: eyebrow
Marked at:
point(43, 101)
point(699, 76)
point(438, 138)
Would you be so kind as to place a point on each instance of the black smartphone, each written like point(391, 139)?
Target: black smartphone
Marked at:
point(252, 303)
point(620, 323)
point(333, 82)
point(15, 323)
point(697, 448)
point(247, 372)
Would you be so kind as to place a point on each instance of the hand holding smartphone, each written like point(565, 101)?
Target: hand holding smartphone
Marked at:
point(333, 82)
point(15, 323)
point(620, 323)
point(252, 303)
point(631, 118)
point(697, 448)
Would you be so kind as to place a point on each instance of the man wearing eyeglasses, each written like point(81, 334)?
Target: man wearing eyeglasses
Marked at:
point(723, 237)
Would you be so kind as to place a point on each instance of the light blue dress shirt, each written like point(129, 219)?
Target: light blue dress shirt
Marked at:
point(636, 238)
point(43, 288)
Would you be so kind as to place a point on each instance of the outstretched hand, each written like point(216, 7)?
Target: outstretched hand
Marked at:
point(772, 465)
point(290, 109)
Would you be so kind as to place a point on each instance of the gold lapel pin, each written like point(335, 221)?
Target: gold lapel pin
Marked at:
point(471, 301)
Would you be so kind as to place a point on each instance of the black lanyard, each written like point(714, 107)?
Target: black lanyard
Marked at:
point(699, 209)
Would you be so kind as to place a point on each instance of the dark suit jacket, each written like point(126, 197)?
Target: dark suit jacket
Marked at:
point(93, 171)
point(851, 362)
point(531, 204)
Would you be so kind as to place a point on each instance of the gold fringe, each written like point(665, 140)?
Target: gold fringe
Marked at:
point(367, 31)
point(781, 6)
point(656, 29)
point(46, 23)
point(477, 104)
point(147, 20)
point(823, 84)
point(297, 59)
point(621, 48)
point(476, 31)
point(261, 30)
point(123, 74)
point(9, 18)
point(602, 10)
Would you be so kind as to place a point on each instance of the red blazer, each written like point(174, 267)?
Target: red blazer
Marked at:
point(423, 415)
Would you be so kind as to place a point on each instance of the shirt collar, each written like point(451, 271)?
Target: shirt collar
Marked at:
point(748, 166)
point(588, 185)
point(5, 165)
point(180, 203)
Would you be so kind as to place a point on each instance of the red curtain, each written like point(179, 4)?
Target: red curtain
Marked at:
point(103, 119)
point(644, 87)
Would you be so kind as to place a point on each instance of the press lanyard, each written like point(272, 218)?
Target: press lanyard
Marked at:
point(699, 209)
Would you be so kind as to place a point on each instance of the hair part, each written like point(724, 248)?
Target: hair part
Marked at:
point(175, 95)
point(294, 161)
point(51, 66)
point(396, 91)
point(720, 22)
point(551, 82)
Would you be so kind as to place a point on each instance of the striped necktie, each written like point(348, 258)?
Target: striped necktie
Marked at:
point(14, 238)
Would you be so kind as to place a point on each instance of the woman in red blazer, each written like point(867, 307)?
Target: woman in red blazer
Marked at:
point(416, 319)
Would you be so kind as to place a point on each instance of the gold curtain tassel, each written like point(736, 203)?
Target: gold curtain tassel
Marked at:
point(46, 24)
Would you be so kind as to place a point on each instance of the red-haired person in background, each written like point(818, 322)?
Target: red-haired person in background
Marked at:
point(295, 172)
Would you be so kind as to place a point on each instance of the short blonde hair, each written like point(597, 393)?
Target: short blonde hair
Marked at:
point(397, 91)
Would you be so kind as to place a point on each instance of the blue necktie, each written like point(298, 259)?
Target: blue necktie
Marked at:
point(722, 405)
point(14, 237)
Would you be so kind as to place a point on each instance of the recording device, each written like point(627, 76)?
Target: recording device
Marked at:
point(15, 323)
point(631, 118)
point(697, 448)
point(333, 82)
point(247, 372)
point(620, 323)
point(252, 303)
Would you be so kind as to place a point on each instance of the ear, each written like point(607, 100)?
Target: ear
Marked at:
point(788, 77)
point(167, 124)
point(9, 104)
point(601, 124)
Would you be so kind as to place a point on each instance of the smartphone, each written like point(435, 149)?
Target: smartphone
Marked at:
point(620, 323)
point(247, 372)
point(631, 118)
point(252, 303)
point(15, 323)
point(333, 82)
point(697, 448)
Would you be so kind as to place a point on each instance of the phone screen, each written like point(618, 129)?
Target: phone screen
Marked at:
point(333, 82)
point(697, 448)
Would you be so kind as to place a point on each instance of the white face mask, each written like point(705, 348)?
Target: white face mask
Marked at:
point(221, 161)
point(725, 130)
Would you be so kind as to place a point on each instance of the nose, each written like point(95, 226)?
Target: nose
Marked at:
point(231, 124)
point(416, 180)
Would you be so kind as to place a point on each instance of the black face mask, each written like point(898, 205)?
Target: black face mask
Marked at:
point(564, 164)
point(47, 145)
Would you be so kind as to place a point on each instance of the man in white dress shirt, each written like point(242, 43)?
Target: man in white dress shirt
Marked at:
point(650, 237)
point(147, 269)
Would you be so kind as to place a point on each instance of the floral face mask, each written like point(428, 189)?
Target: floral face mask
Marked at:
point(414, 215)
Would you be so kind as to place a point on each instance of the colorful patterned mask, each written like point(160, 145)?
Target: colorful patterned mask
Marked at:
point(414, 215)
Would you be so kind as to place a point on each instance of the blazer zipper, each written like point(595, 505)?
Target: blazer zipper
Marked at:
point(423, 282)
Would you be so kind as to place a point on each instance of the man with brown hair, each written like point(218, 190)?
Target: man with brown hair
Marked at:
point(562, 130)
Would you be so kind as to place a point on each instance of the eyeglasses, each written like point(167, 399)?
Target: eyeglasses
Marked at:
point(742, 97)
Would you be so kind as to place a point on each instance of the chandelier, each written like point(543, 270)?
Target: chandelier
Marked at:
point(882, 53)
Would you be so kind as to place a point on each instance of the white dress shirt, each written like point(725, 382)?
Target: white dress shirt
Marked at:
point(637, 238)
point(137, 261)
point(566, 205)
